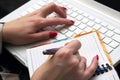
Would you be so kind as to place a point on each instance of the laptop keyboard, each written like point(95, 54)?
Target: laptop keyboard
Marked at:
point(84, 22)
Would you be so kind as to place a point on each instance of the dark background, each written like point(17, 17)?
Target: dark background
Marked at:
point(7, 6)
point(115, 4)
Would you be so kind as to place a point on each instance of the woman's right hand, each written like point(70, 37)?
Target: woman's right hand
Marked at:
point(66, 64)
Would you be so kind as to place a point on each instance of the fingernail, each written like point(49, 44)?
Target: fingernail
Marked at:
point(71, 22)
point(52, 34)
point(97, 57)
point(64, 8)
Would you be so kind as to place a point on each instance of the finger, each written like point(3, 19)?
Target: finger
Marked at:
point(73, 45)
point(92, 68)
point(74, 62)
point(68, 50)
point(54, 21)
point(44, 35)
point(63, 8)
point(51, 7)
point(76, 59)
point(82, 64)
point(78, 56)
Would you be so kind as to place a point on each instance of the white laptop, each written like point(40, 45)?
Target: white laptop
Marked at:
point(88, 15)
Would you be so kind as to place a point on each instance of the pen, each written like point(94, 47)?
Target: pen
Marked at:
point(50, 51)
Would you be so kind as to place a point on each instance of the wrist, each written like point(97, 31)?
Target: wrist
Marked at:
point(47, 71)
point(6, 37)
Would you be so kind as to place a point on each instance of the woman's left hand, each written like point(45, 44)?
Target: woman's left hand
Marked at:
point(27, 29)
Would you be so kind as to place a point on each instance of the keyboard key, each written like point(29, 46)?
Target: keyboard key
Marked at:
point(82, 26)
point(103, 30)
point(109, 49)
point(104, 24)
point(59, 1)
point(72, 28)
point(109, 33)
point(97, 21)
point(77, 23)
point(107, 40)
point(41, 3)
point(45, 0)
point(110, 27)
point(59, 27)
point(91, 17)
point(88, 29)
point(74, 14)
point(60, 36)
point(50, 28)
point(78, 31)
point(79, 17)
point(69, 34)
point(65, 3)
point(116, 37)
point(69, 11)
point(85, 14)
point(90, 23)
point(74, 9)
point(69, 17)
point(80, 11)
point(117, 31)
point(84, 20)
point(97, 26)
point(114, 44)
point(69, 6)
point(63, 31)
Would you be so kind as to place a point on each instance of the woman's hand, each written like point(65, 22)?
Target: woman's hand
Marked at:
point(27, 29)
point(66, 64)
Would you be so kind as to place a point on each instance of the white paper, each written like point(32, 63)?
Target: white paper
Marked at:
point(91, 46)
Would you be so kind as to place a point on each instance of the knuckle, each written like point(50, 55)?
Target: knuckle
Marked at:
point(83, 59)
point(64, 53)
point(74, 62)
point(58, 20)
point(53, 4)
